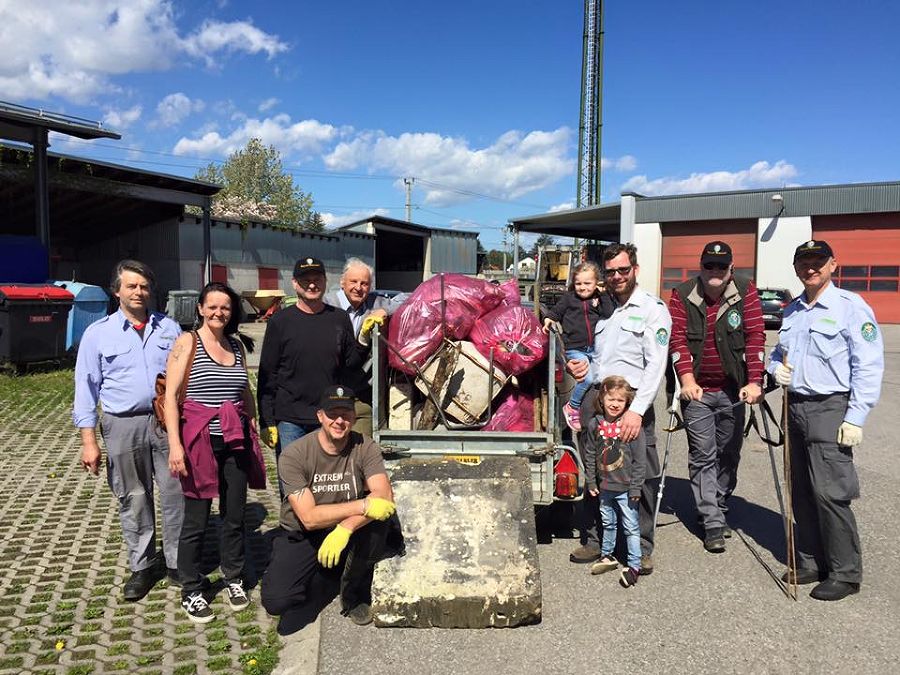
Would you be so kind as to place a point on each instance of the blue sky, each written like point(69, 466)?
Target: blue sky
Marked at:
point(476, 100)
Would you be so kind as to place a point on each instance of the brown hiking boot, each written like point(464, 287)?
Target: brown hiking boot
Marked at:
point(585, 554)
point(646, 565)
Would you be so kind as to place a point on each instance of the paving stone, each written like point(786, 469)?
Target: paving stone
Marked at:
point(63, 563)
point(471, 547)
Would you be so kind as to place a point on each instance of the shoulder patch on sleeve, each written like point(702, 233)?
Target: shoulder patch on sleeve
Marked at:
point(662, 336)
point(869, 331)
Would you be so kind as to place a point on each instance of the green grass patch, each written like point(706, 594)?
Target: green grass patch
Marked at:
point(121, 664)
point(80, 669)
point(219, 663)
point(11, 662)
point(118, 648)
point(186, 669)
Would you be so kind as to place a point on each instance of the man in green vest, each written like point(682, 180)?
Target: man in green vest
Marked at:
point(717, 345)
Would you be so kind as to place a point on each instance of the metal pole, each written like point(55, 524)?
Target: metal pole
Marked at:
point(516, 253)
point(207, 242)
point(408, 182)
point(41, 192)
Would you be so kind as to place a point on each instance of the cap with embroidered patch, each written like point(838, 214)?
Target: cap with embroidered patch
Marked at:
point(817, 247)
point(716, 252)
point(307, 266)
point(337, 396)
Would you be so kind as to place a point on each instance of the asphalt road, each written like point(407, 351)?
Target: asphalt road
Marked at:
point(699, 612)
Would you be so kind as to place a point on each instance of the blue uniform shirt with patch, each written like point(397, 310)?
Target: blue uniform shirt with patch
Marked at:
point(834, 345)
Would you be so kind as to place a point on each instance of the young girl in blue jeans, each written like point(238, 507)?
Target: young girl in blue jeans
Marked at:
point(578, 311)
point(615, 473)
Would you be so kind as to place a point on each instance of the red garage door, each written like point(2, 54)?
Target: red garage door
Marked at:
point(269, 279)
point(867, 251)
point(683, 243)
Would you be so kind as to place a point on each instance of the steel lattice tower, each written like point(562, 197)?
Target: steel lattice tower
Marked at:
point(590, 123)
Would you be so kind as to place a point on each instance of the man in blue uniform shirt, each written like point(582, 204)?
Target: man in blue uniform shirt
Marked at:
point(830, 357)
point(118, 360)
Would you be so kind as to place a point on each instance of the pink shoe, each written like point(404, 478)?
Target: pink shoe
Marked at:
point(573, 417)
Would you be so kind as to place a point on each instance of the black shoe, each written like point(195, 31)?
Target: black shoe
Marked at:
point(831, 589)
point(140, 583)
point(172, 577)
point(197, 608)
point(714, 542)
point(726, 532)
point(803, 576)
point(646, 565)
point(585, 554)
point(361, 615)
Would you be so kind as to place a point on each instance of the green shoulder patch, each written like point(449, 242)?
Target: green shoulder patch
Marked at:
point(662, 336)
point(869, 331)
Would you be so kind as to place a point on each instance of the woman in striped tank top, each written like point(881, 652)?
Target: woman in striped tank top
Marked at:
point(213, 447)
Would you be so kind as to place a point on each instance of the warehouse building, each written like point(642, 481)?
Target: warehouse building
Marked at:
point(860, 221)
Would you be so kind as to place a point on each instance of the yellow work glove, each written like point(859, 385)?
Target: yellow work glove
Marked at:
point(334, 544)
point(365, 333)
point(269, 436)
point(377, 508)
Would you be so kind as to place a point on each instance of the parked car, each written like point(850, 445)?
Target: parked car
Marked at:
point(773, 301)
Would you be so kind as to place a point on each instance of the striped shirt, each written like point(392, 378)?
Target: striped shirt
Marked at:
point(712, 376)
point(212, 383)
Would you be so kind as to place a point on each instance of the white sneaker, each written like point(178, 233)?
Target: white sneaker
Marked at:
point(237, 596)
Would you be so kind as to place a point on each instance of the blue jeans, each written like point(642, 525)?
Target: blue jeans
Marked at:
point(585, 354)
point(288, 432)
point(610, 502)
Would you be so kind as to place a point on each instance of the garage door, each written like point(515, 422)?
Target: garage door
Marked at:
point(682, 244)
point(867, 251)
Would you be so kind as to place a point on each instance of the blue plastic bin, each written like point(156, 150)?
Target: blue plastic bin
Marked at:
point(91, 303)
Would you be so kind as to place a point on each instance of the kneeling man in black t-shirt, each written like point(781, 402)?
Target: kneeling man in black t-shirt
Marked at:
point(337, 497)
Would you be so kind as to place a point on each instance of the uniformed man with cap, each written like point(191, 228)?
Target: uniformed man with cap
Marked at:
point(717, 349)
point(307, 347)
point(830, 358)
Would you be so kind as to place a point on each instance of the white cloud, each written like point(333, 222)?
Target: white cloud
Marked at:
point(122, 119)
point(333, 221)
point(565, 206)
point(623, 163)
point(760, 174)
point(176, 107)
point(514, 165)
point(74, 50)
point(305, 138)
point(268, 104)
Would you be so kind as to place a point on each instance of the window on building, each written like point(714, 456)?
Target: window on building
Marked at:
point(871, 278)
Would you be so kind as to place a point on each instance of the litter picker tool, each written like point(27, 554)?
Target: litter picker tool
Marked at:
point(673, 416)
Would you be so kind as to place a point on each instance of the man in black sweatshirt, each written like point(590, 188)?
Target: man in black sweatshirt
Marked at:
point(307, 348)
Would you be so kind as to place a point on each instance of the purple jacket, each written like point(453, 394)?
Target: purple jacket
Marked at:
point(202, 481)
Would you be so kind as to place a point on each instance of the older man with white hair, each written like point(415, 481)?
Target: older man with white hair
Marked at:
point(365, 309)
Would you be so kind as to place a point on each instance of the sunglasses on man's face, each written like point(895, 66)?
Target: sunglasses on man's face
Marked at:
point(715, 266)
point(613, 271)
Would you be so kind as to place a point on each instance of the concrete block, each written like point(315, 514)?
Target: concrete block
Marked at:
point(471, 548)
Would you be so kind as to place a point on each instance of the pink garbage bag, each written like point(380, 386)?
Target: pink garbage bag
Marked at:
point(511, 296)
point(516, 337)
point(515, 413)
point(415, 329)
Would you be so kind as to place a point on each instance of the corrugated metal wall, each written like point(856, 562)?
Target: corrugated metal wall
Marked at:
point(244, 251)
point(453, 252)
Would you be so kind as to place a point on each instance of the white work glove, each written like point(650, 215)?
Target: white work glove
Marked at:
point(849, 435)
point(783, 374)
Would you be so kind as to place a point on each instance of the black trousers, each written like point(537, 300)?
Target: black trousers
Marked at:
point(294, 568)
point(589, 519)
point(232, 500)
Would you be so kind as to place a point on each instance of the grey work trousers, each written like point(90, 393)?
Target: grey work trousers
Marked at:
point(714, 435)
point(138, 452)
point(823, 483)
point(590, 525)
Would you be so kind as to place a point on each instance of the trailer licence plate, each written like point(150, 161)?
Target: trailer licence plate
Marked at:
point(465, 459)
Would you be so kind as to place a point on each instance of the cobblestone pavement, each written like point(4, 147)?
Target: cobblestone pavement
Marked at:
point(63, 563)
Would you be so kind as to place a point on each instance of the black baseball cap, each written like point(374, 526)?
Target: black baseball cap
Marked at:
point(716, 252)
point(337, 396)
point(813, 247)
point(307, 265)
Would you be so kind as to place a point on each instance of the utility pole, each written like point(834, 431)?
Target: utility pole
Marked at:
point(590, 124)
point(408, 182)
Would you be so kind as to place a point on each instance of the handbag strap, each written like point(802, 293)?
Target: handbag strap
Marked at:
point(182, 390)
